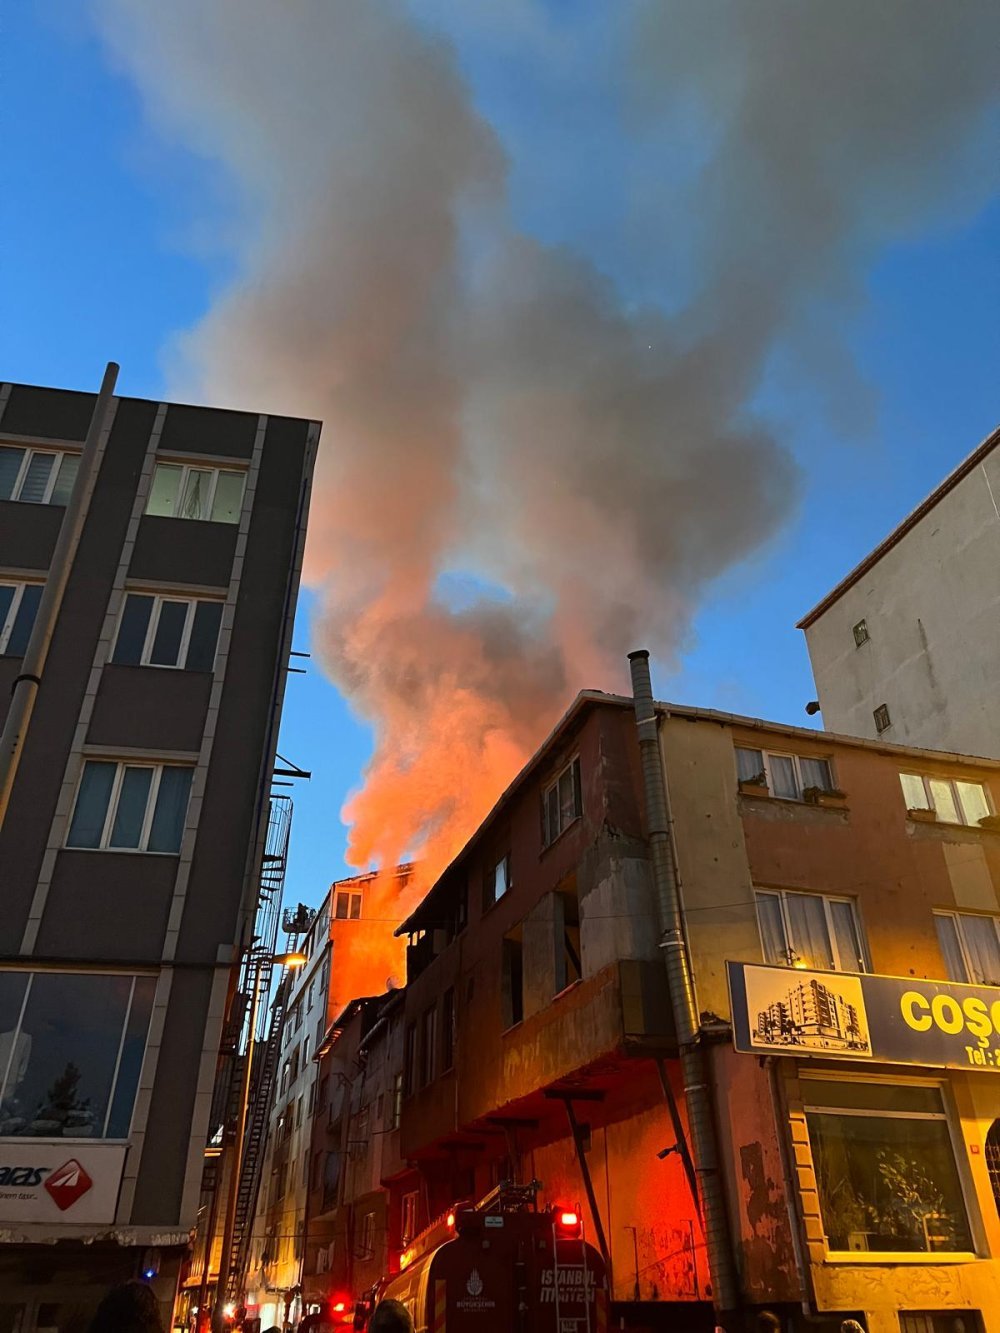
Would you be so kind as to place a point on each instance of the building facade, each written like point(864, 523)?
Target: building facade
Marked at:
point(845, 946)
point(906, 645)
point(341, 927)
point(131, 848)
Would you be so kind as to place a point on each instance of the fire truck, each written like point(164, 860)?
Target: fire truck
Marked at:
point(500, 1266)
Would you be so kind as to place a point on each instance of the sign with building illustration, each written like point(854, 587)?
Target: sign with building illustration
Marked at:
point(851, 1016)
point(68, 1182)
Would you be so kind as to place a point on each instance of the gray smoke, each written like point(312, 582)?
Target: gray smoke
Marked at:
point(491, 403)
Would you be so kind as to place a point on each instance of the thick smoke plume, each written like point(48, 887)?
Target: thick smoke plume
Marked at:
point(490, 403)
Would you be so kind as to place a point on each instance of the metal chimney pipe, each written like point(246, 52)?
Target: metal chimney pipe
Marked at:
point(663, 851)
point(25, 688)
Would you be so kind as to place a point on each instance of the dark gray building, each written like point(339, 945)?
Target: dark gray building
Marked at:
point(129, 857)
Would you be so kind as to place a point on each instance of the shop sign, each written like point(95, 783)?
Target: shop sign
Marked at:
point(851, 1016)
point(60, 1182)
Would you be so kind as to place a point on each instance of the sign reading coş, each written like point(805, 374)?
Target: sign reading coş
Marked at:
point(854, 1016)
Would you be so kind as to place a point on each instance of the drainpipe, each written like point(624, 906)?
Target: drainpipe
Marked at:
point(660, 834)
point(25, 688)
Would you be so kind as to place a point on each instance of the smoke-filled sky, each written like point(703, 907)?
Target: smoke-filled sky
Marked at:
point(601, 308)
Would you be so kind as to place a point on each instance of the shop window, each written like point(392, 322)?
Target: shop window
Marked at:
point(513, 979)
point(885, 1168)
point(567, 938)
point(208, 494)
point(952, 801)
point(993, 1160)
point(810, 930)
point(971, 947)
point(18, 608)
point(790, 777)
point(71, 1049)
point(37, 476)
point(940, 1321)
point(561, 803)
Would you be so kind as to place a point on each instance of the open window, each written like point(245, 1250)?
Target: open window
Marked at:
point(512, 987)
point(567, 936)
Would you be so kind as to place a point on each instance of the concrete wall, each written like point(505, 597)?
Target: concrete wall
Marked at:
point(932, 607)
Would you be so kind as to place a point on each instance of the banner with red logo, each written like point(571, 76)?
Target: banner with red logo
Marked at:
point(60, 1182)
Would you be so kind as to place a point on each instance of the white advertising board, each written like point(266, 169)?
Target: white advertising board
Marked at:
point(70, 1182)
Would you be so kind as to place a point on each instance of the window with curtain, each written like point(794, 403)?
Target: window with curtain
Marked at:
point(970, 944)
point(809, 930)
point(130, 807)
point(37, 476)
point(787, 776)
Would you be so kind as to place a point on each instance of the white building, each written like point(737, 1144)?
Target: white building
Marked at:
point(907, 646)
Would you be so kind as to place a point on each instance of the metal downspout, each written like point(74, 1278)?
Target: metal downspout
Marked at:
point(660, 834)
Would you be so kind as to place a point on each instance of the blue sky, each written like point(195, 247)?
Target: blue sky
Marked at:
point(100, 261)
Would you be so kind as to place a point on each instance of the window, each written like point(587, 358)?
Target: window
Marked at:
point(71, 1049)
point(367, 1244)
point(885, 1168)
point(787, 776)
point(397, 1102)
point(205, 493)
point(882, 719)
point(168, 632)
point(809, 930)
point(971, 947)
point(408, 1228)
point(861, 634)
point(993, 1160)
point(410, 1060)
point(567, 938)
point(428, 1042)
point(18, 608)
point(512, 987)
point(37, 476)
point(561, 803)
point(497, 881)
point(940, 1321)
point(347, 906)
point(952, 801)
point(137, 807)
point(448, 1029)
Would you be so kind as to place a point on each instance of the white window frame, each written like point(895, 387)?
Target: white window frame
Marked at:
point(959, 918)
point(29, 454)
point(186, 469)
point(826, 899)
point(350, 895)
point(367, 1236)
point(550, 838)
point(7, 626)
point(154, 621)
point(112, 811)
point(956, 796)
point(956, 1138)
point(767, 755)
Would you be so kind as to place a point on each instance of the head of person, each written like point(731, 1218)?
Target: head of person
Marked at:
point(129, 1308)
point(391, 1317)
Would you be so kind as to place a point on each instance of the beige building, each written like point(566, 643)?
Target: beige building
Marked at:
point(908, 644)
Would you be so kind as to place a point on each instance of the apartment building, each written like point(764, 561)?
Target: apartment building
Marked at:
point(353, 1153)
point(907, 644)
point(342, 926)
point(845, 945)
point(131, 848)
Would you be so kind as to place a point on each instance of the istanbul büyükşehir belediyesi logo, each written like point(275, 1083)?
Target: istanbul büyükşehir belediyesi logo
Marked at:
point(67, 1183)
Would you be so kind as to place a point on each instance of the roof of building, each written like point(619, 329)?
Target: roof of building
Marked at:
point(419, 918)
point(898, 533)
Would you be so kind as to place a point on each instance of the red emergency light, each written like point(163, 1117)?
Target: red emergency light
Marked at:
point(568, 1223)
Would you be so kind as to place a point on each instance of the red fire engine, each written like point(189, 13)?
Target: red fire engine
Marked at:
point(500, 1266)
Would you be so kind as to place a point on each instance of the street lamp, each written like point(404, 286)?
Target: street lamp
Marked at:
point(290, 960)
